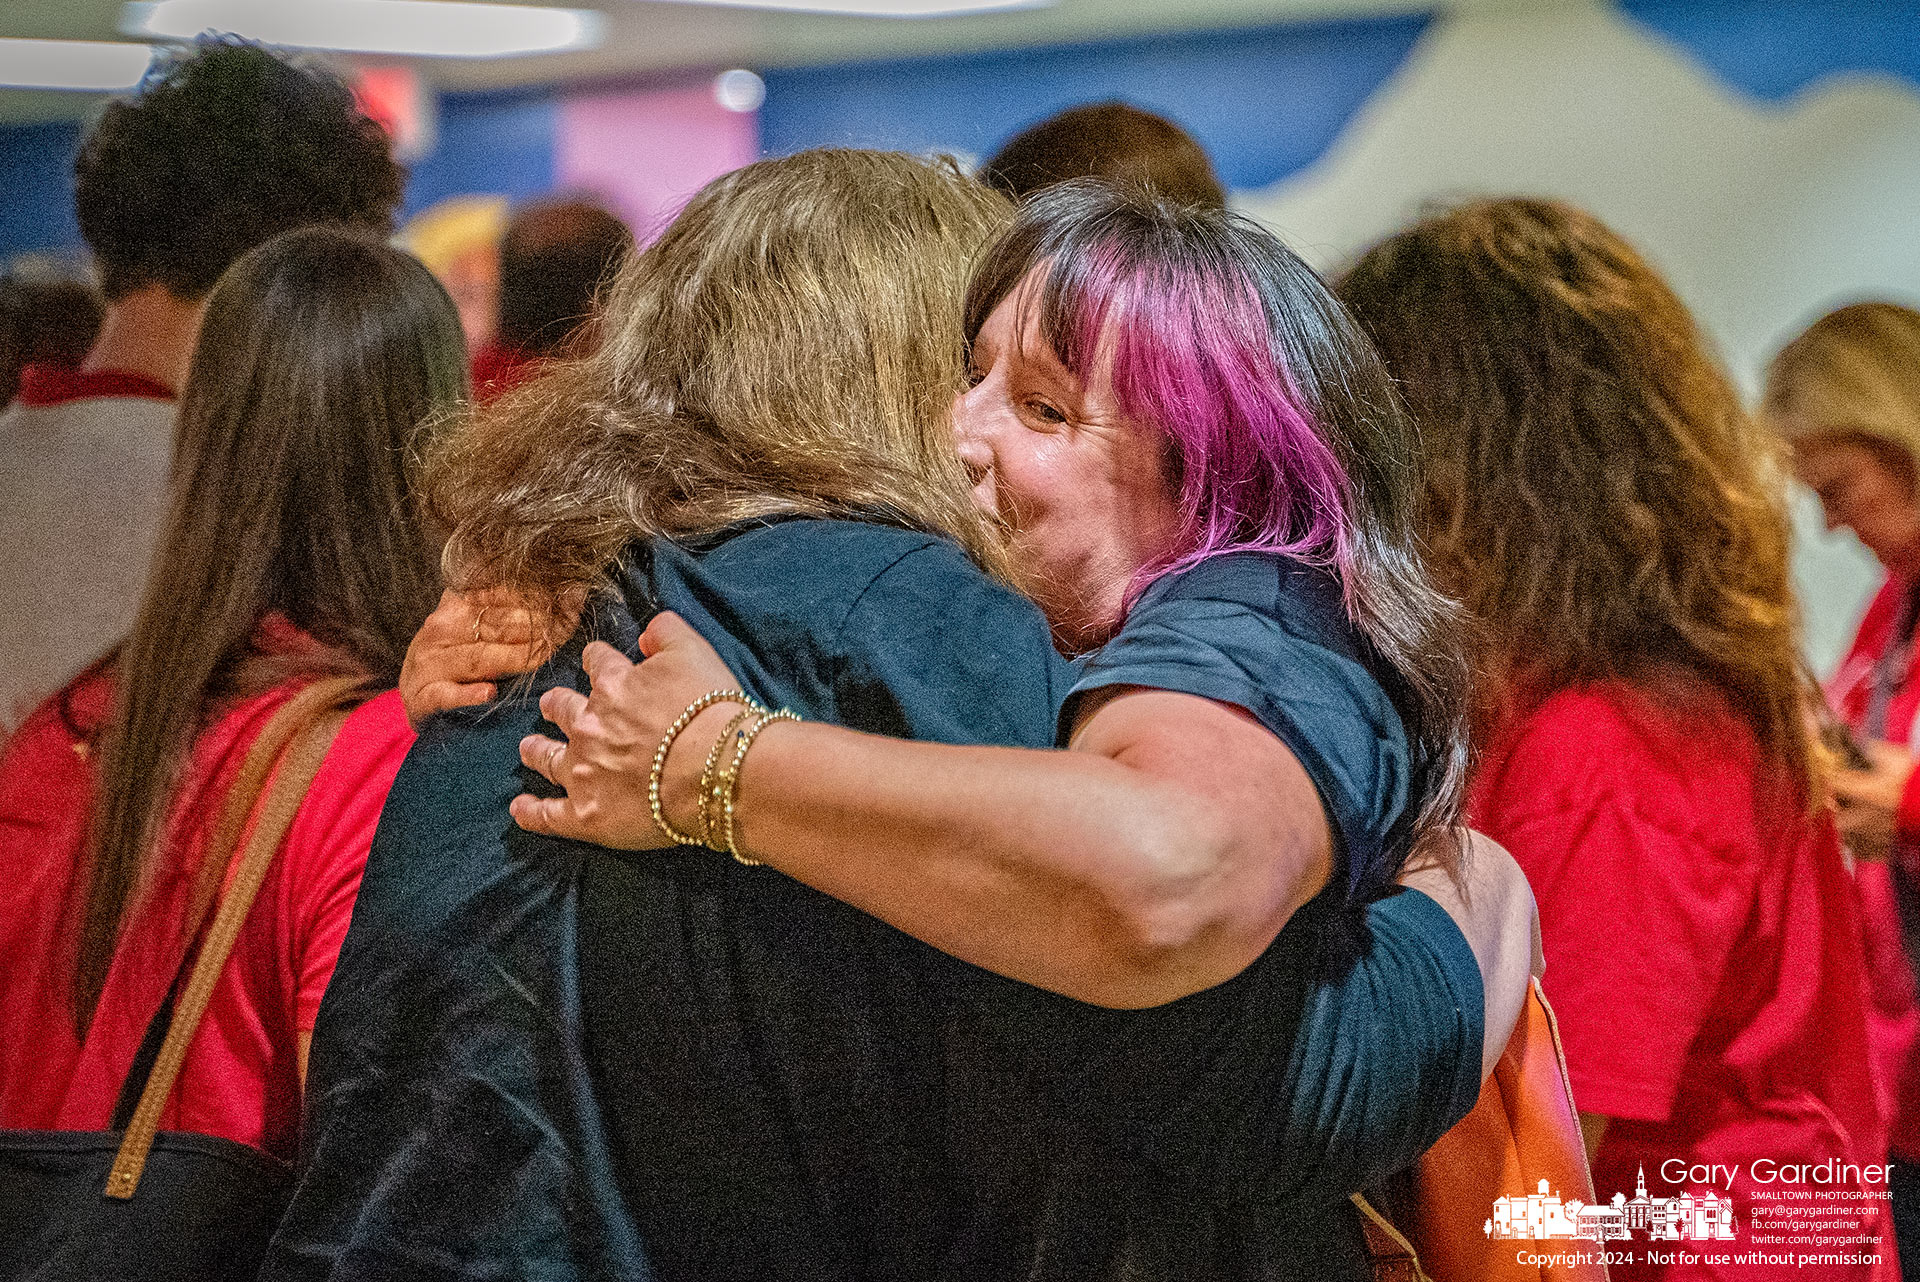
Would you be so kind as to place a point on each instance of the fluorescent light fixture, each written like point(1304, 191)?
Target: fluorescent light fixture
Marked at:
point(882, 8)
point(96, 65)
point(417, 28)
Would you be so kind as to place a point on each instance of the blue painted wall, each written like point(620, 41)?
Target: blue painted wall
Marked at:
point(36, 177)
point(1773, 49)
point(499, 143)
point(1264, 102)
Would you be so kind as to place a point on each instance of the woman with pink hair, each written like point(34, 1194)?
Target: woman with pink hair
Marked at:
point(1200, 471)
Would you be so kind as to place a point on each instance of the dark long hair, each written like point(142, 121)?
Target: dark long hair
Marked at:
point(1593, 488)
point(321, 357)
point(1284, 433)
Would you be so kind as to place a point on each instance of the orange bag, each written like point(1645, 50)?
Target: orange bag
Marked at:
point(1522, 1130)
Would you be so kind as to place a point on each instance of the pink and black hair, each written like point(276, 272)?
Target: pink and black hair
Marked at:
point(1283, 431)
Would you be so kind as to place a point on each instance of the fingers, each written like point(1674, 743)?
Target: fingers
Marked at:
point(484, 660)
point(423, 703)
point(665, 630)
point(549, 816)
point(499, 616)
point(603, 663)
point(564, 708)
point(444, 695)
point(566, 617)
point(545, 757)
point(468, 616)
point(466, 646)
point(452, 616)
point(506, 625)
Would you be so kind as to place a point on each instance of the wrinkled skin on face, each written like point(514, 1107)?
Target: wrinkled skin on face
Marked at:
point(1085, 491)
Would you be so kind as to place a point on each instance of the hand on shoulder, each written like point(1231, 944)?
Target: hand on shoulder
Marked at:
point(470, 642)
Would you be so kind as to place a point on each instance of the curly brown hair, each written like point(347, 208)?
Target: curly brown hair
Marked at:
point(225, 145)
point(1594, 490)
point(790, 345)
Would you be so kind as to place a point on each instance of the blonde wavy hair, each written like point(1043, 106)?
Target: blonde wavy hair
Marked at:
point(1855, 373)
point(1594, 490)
point(790, 345)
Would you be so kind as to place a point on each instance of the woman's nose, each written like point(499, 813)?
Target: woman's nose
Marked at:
point(970, 445)
point(970, 437)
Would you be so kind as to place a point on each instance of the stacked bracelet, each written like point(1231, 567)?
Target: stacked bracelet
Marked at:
point(710, 793)
point(719, 787)
point(693, 710)
point(728, 786)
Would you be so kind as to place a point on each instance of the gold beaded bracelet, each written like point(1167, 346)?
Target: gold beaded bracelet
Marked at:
point(709, 773)
point(693, 710)
point(729, 780)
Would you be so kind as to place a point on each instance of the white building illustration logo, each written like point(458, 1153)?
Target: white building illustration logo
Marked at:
point(1708, 1218)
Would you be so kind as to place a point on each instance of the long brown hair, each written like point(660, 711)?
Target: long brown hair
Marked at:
point(321, 357)
point(791, 344)
point(1594, 490)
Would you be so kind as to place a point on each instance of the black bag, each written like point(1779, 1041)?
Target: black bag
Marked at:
point(131, 1203)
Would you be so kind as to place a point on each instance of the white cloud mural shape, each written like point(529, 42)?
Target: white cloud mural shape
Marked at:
point(1762, 215)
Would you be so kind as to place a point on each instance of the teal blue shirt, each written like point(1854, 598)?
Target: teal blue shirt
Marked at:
point(544, 1059)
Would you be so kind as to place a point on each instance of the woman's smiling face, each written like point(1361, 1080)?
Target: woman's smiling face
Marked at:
point(1084, 490)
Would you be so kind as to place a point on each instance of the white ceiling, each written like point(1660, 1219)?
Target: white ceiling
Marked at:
point(656, 39)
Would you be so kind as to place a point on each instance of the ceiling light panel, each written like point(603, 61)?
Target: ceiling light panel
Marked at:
point(408, 28)
point(81, 65)
point(881, 8)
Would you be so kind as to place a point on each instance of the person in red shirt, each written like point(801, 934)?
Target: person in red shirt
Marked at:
point(553, 259)
point(1846, 394)
point(1597, 496)
point(293, 549)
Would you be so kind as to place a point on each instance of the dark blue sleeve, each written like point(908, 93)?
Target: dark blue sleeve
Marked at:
point(935, 650)
point(1387, 1057)
point(1338, 1057)
point(1272, 638)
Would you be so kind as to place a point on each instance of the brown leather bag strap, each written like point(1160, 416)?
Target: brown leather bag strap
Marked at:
point(1392, 1257)
point(296, 740)
point(291, 717)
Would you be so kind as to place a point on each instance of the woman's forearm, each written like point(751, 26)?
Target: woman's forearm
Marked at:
point(1071, 871)
point(1159, 855)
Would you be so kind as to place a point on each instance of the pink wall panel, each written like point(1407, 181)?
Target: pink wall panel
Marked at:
point(645, 152)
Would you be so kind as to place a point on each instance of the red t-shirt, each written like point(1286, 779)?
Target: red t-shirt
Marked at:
point(1702, 944)
point(43, 384)
point(497, 369)
point(240, 1079)
point(1893, 1019)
